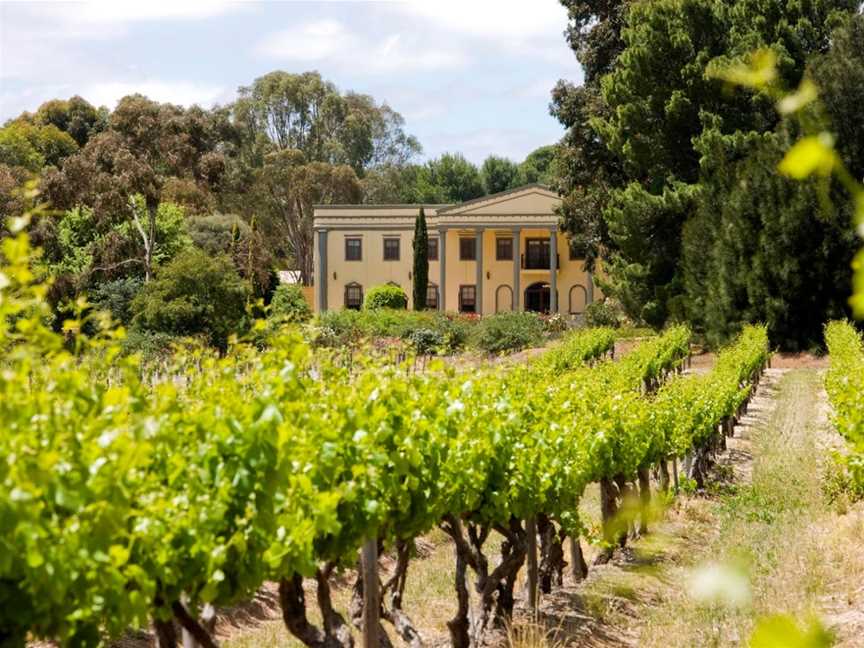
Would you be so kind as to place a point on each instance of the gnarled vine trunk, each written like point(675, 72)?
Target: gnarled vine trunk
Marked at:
point(334, 633)
point(494, 588)
point(552, 562)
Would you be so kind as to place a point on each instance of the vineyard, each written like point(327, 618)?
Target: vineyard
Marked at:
point(127, 502)
point(845, 386)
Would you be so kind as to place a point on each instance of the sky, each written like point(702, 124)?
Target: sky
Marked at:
point(468, 76)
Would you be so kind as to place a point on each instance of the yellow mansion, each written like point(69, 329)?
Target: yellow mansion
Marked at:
point(497, 253)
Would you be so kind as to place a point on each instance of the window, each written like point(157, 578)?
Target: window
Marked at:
point(353, 249)
point(391, 249)
point(432, 296)
point(467, 299)
point(353, 296)
point(468, 249)
point(537, 254)
point(574, 255)
point(504, 249)
point(433, 249)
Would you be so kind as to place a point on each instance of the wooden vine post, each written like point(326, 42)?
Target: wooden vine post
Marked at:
point(531, 532)
point(371, 604)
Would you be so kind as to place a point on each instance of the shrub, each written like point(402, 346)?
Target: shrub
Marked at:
point(194, 294)
point(386, 296)
point(150, 344)
point(605, 313)
point(556, 323)
point(289, 305)
point(336, 328)
point(455, 329)
point(116, 297)
point(508, 332)
point(426, 340)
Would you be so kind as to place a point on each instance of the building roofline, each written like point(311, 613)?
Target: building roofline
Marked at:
point(384, 206)
point(495, 196)
point(441, 207)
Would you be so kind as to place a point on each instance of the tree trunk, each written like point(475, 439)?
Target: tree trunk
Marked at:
point(578, 566)
point(335, 633)
point(198, 634)
point(609, 514)
point(627, 510)
point(459, 625)
point(551, 572)
point(396, 588)
point(166, 634)
point(531, 537)
point(644, 499)
point(664, 475)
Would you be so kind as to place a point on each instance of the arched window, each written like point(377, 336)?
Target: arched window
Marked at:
point(353, 296)
point(432, 296)
point(503, 299)
point(578, 299)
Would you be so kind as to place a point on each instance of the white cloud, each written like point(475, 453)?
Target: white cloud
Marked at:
point(184, 93)
point(498, 19)
point(129, 11)
point(331, 42)
point(313, 41)
point(477, 144)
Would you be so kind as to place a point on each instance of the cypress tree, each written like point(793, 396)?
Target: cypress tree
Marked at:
point(421, 261)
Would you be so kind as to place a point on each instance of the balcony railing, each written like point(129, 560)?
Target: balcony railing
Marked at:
point(539, 261)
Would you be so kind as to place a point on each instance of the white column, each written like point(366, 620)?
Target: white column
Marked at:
point(479, 262)
point(553, 271)
point(517, 269)
point(322, 271)
point(442, 267)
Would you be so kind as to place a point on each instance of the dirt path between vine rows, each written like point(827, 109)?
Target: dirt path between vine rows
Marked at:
point(765, 538)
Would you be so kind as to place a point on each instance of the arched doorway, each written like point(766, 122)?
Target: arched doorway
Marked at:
point(503, 299)
point(538, 297)
point(578, 299)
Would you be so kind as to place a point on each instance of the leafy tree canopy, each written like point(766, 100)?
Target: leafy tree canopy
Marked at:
point(195, 294)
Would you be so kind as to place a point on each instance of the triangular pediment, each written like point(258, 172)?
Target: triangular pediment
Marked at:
point(530, 199)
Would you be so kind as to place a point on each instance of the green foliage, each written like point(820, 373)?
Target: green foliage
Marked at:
point(192, 490)
point(688, 410)
point(427, 341)
point(30, 146)
point(386, 296)
point(539, 166)
point(151, 346)
point(116, 297)
point(289, 305)
point(85, 246)
point(500, 174)
point(447, 179)
point(348, 327)
point(421, 261)
point(782, 631)
point(763, 248)
point(507, 332)
point(844, 383)
point(230, 234)
point(604, 313)
point(652, 127)
point(76, 117)
point(17, 150)
point(194, 294)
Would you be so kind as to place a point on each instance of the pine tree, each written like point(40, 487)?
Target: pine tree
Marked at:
point(421, 261)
